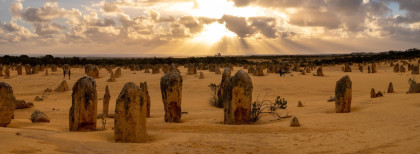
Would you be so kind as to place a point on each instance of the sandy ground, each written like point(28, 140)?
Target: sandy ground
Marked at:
point(388, 124)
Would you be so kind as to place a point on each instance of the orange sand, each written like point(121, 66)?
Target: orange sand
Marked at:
point(388, 124)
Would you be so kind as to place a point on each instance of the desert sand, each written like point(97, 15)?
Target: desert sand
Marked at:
point(388, 124)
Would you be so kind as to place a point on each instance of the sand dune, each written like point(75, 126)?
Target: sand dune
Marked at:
point(388, 124)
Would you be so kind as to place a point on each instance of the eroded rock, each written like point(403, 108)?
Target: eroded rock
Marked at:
point(343, 95)
point(83, 111)
point(62, 87)
point(237, 99)
point(171, 89)
point(7, 104)
point(39, 117)
point(130, 115)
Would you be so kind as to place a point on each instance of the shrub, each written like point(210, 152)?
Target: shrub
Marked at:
point(213, 98)
point(259, 108)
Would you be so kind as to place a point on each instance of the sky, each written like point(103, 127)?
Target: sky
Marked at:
point(207, 27)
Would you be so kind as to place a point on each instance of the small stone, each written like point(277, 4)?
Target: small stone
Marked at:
point(37, 98)
point(201, 75)
point(300, 104)
point(111, 78)
point(332, 99)
point(62, 87)
point(372, 93)
point(294, 122)
point(319, 71)
point(414, 87)
point(48, 90)
point(118, 73)
point(390, 88)
point(21, 104)
point(379, 94)
point(39, 117)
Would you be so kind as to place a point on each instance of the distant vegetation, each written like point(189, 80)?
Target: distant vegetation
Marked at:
point(315, 59)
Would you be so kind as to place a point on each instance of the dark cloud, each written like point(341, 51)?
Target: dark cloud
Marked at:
point(48, 29)
point(265, 25)
point(244, 27)
point(413, 11)
point(238, 25)
point(192, 24)
point(178, 31)
point(240, 3)
point(112, 24)
point(9, 27)
point(314, 18)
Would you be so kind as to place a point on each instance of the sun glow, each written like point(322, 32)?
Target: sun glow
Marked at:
point(212, 33)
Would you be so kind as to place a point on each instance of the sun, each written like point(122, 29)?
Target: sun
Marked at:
point(212, 33)
point(215, 9)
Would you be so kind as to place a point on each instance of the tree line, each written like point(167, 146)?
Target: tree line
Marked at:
point(315, 59)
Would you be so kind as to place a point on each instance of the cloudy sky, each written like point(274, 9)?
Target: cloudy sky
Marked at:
point(207, 27)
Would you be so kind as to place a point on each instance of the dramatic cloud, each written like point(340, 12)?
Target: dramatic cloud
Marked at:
point(250, 24)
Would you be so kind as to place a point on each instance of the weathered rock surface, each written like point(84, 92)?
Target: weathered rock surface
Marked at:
point(118, 73)
point(414, 87)
point(111, 78)
point(62, 87)
point(319, 71)
point(145, 90)
point(390, 88)
point(130, 115)
point(201, 75)
point(7, 104)
point(83, 111)
point(294, 122)
point(225, 76)
point(300, 104)
point(92, 71)
point(171, 89)
point(39, 117)
point(415, 69)
point(21, 104)
point(105, 104)
point(343, 95)
point(237, 99)
point(372, 93)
